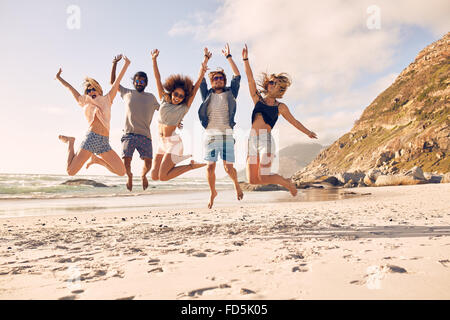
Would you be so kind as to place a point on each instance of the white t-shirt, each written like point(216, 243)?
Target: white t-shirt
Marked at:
point(218, 117)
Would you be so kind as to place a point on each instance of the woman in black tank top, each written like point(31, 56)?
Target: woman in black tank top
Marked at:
point(264, 116)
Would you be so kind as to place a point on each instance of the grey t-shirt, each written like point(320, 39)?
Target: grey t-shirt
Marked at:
point(139, 109)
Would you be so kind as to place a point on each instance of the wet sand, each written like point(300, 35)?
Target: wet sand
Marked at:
point(391, 244)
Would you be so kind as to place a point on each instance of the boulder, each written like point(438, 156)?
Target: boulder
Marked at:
point(260, 187)
point(432, 178)
point(371, 176)
point(330, 180)
point(384, 158)
point(351, 184)
point(416, 173)
point(446, 178)
point(347, 176)
point(396, 180)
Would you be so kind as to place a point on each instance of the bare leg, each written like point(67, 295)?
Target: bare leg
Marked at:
point(229, 168)
point(168, 170)
point(255, 177)
point(145, 170)
point(155, 167)
point(211, 175)
point(110, 160)
point(127, 163)
point(74, 161)
point(269, 178)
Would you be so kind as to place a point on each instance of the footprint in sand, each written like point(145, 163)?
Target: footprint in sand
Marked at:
point(72, 297)
point(299, 269)
point(247, 291)
point(199, 292)
point(126, 298)
point(444, 262)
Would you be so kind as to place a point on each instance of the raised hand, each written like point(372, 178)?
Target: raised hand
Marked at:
point(208, 54)
point(312, 135)
point(204, 67)
point(245, 52)
point(226, 51)
point(117, 58)
point(125, 58)
point(155, 53)
point(58, 74)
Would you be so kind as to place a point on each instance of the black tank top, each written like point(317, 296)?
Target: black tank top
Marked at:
point(269, 113)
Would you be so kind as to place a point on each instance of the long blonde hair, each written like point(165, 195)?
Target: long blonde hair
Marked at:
point(283, 78)
point(93, 83)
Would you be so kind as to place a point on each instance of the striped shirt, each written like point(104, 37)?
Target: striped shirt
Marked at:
point(218, 118)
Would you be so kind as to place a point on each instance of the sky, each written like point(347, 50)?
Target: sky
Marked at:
point(339, 54)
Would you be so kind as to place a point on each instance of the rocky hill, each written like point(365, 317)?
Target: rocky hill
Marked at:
point(406, 126)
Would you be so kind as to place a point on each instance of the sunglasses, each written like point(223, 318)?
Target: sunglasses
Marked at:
point(139, 82)
point(272, 82)
point(90, 90)
point(218, 78)
point(178, 95)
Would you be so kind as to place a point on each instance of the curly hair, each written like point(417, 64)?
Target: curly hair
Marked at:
point(179, 81)
point(212, 74)
point(283, 78)
point(93, 83)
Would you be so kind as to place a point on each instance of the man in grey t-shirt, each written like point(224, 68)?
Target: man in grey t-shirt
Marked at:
point(140, 107)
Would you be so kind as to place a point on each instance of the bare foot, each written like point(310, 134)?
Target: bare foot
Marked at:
point(211, 199)
point(196, 165)
point(94, 159)
point(293, 189)
point(144, 182)
point(130, 182)
point(66, 139)
point(239, 193)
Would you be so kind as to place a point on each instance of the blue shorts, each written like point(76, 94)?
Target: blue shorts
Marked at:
point(95, 143)
point(219, 144)
point(141, 143)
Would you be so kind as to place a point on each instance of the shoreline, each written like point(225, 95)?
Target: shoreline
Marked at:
point(393, 244)
point(163, 199)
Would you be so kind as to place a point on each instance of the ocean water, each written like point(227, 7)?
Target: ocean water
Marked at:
point(45, 186)
point(23, 195)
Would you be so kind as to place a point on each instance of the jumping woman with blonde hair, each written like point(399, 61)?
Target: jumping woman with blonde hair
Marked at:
point(261, 146)
point(177, 95)
point(97, 109)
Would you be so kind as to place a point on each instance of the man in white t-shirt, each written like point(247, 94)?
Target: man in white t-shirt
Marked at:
point(216, 114)
point(139, 108)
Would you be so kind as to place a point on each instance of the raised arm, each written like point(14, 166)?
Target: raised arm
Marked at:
point(74, 92)
point(227, 53)
point(284, 111)
point(201, 74)
point(249, 73)
point(115, 86)
point(113, 70)
point(159, 86)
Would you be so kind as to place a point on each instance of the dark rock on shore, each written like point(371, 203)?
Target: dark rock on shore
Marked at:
point(88, 182)
point(258, 187)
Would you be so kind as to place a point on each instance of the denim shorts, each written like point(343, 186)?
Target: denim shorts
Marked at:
point(95, 143)
point(141, 143)
point(222, 145)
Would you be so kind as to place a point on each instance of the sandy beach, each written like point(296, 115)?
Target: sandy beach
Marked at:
point(391, 243)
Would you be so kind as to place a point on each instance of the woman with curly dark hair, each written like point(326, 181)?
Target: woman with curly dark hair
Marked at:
point(177, 95)
point(261, 146)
